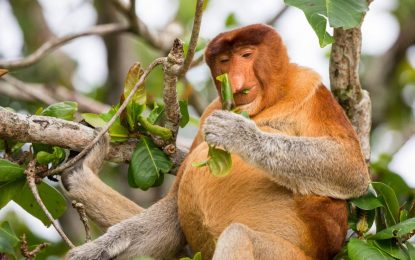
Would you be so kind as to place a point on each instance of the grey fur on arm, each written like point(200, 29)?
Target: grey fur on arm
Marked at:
point(156, 232)
point(306, 165)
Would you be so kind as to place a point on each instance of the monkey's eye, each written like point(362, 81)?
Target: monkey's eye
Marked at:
point(247, 54)
point(224, 60)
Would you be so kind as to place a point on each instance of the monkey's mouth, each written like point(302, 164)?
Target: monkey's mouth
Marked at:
point(246, 96)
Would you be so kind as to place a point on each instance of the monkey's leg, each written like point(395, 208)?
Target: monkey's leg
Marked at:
point(103, 205)
point(238, 241)
point(156, 232)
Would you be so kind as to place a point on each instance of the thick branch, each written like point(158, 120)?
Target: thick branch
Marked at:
point(171, 71)
point(193, 39)
point(54, 43)
point(345, 84)
point(59, 132)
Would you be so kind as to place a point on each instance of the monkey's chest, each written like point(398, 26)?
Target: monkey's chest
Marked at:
point(208, 204)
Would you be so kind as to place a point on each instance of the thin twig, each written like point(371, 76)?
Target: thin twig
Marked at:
point(31, 180)
point(82, 215)
point(52, 44)
point(18, 89)
point(193, 39)
point(71, 162)
point(278, 15)
point(26, 252)
point(197, 61)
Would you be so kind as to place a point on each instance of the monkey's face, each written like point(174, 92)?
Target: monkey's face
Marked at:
point(239, 64)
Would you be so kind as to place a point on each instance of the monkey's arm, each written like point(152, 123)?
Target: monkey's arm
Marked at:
point(103, 205)
point(156, 232)
point(307, 165)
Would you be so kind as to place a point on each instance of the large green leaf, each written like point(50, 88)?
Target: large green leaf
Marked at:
point(8, 239)
point(52, 199)
point(388, 198)
point(361, 250)
point(9, 189)
point(10, 171)
point(339, 13)
point(64, 110)
point(147, 163)
point(391, 248)
point(411, 250)
point(398, 230)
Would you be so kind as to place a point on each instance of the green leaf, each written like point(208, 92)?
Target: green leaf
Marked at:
point(156, 113)
point(197, 256)
point(391, 248)
point(339, 13)
point(361, 250)
point(8, 239)
point(396, 231)
point(10, 171)
point(56, 157)
point(231, 20)
point(346, 14)
point(388, 198)
point(64, 110)
point(200, 164)
point(138, 103)
point(220, 162)
point(226, 92)
point(411, 249)
point(184, 112)
point(163, 132)
point(9, 190)
point(52, 199)
point(147, 163)
point(367, 202)
point(44, 157)
point(94, 119)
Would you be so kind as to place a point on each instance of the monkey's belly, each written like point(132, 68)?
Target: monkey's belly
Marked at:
point(208, 204)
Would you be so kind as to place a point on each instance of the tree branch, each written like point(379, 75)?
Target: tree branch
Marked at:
point(54, 43)
point(345, 84)
point(71, 162)
point(59, 132)
point(31, 177)
point(278, 15)
point(82, 215)
point(158, 40)
point(30, 92)
point(193, 39)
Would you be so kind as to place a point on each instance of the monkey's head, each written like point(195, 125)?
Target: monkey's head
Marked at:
point(256, 61)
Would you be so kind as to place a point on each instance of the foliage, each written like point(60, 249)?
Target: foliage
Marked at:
point(339, 13)
point(394, 221)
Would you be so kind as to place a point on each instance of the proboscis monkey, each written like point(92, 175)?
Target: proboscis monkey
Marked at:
point(294, 163)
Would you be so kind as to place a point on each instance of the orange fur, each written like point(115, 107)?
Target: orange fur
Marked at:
point(292, 101)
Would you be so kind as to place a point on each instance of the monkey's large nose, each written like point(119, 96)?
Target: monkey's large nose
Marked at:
point(237, 83)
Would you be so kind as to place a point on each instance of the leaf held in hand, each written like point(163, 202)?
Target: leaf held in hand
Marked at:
point(226, 92)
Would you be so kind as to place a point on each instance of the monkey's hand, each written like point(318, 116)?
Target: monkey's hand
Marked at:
point(231, 131)
point(92, 250)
